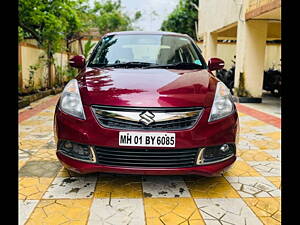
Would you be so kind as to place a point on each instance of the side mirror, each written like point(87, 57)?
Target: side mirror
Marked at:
point(215, 64)
point(77, 61)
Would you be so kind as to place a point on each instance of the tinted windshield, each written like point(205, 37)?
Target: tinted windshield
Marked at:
point(152, 49)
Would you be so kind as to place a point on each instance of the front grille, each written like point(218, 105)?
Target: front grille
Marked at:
point(146, 158)
point(163, 118)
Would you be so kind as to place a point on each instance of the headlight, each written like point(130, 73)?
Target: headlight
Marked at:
point(70, 101)
point(223, 103)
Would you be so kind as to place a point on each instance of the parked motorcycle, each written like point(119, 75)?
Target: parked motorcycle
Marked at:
point(272, 81)
point(227, 76)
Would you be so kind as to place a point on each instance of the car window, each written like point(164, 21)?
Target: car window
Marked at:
point(154, 49)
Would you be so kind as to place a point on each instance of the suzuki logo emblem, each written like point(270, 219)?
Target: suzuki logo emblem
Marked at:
point(147, 118)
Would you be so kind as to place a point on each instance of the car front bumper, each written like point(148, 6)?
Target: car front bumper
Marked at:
point(89, 132)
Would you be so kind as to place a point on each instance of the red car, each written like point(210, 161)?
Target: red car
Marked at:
point(146, 103)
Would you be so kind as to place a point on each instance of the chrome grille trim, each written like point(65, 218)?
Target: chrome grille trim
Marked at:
point(127, 118)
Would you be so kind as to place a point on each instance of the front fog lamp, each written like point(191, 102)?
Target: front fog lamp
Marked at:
point(70, 101)
point(213, 154)
point(223, 103)
point(78, 151)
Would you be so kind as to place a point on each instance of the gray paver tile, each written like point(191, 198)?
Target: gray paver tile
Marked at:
point(71, 187)
point(226, 211)
point(40, 169)
point(253, 187)
point(117, 211)
point(165, 186)
point(25, 209)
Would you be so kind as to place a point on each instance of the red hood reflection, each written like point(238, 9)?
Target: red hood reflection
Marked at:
point(147, 87)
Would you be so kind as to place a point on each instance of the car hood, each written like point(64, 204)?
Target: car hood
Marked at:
point(147, 87)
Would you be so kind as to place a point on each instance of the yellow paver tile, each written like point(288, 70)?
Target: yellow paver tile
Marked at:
point(32, 122)
point(44, 154)
point(267, 209)
point(49, 114)
point(274, 135)
point(161, 211)
point(211, 187)
point(43, 129)
point(21, 163)
point(242, 114)
point(31, 144)
point(240, 168)
point(275, 180)
point(245, 130)
point(118, 187)
point(255, 156)
point(265, 144)
point(60, 212)
point(254, 123)
point(33, 188)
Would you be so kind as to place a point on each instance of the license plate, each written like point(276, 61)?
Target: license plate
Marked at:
point(147, 139)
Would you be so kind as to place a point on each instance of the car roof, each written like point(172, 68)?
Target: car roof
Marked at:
point(146, 32)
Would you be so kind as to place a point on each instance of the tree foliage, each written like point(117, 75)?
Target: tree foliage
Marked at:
point(183, 18)
point(108, 17)
point(54, 24)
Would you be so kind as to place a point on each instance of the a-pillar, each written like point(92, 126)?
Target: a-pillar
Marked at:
point(250, 56)
point(210, 45)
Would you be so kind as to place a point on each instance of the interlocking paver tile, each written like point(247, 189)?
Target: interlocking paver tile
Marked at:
point(274, 154)
point(253, 124)
point(255, 155)
point(31, 122)
point(275, 180)
point(161, 211)
point(118, 186)
point(43, 129)
point(44, 154)
point(241, 168)
point(274, 135)
point(226, 211)
point(33, 188)
point(246, 118)
point(46, 135)
point(60, 211)
point(71, 188)
point(266, 128)
point(210, 187)
point(40, 169)
point(108, 211)
point(266, 168)
point(23, 128)
point(165, 187)
point(254, 187)
point(26, 154)
point(266, 144)
point(267, 209)
point(25, 209)
point(246, 145)
point(31, 144)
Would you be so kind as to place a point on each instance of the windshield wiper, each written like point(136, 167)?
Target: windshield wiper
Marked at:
point(181, 65)
point(127, 64)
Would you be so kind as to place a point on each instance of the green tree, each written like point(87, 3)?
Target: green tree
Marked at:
point(183, 18)
point(107, 16)
point(88, 47)
point(50, 22)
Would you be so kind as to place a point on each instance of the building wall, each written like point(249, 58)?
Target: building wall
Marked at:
point(32, 56)
point(226, 52)
point(224, 13)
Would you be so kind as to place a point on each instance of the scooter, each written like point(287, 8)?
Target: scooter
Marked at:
point(227, 76)
point(272, 81)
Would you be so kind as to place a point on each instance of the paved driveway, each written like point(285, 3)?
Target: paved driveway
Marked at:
point(249, 193)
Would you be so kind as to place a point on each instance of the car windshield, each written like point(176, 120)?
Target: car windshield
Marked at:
point(146, 50)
